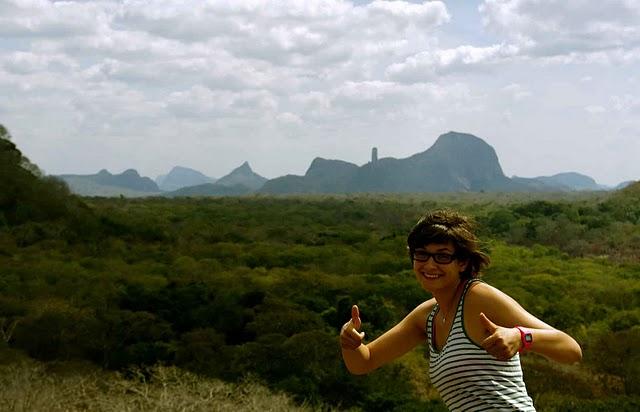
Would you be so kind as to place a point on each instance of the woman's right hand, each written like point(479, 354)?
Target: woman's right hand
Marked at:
point(350, 337)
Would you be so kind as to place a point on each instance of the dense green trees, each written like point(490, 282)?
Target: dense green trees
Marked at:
point(259, 286)
point(163, 282)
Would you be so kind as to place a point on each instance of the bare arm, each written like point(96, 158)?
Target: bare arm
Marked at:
point(407, 334)
point(497, 315)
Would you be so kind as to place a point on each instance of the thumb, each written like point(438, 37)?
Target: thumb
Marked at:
point(488, 325)
point(355, 317)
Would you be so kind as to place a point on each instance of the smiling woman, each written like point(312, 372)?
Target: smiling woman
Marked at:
point(474, 331)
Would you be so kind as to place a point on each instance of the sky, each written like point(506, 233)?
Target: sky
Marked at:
point(552, 85)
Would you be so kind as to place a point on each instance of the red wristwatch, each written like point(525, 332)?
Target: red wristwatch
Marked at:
point(526, 337)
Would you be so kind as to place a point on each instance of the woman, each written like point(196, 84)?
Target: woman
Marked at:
point(474, 331)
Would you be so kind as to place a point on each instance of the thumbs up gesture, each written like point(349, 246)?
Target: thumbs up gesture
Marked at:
point(350, 337)
point(501, 343)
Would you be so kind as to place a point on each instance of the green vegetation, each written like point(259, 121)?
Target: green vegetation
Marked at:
point(258, 286)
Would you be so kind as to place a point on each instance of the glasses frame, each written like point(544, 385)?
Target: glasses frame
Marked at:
point(437, 257)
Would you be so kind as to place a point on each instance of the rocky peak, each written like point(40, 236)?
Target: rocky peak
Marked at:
point(323, 167)
point(130, 173)
point(243, 168)
point(243, 175)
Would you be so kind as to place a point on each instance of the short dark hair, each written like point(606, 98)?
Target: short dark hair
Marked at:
point(443, 226)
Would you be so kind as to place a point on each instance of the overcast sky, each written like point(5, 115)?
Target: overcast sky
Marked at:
point(552, 85)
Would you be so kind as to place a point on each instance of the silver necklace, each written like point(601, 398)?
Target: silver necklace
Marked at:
point(455, 295)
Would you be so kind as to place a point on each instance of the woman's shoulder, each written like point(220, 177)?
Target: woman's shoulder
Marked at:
point(427, 305)
point(484, 298)
point(480, 290)
point(422, 310)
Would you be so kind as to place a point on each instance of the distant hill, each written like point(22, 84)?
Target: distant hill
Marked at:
point(180, 177)
point(87, 187)
point(210, 189)
point(242, 175)
point(127, 183)
point(631, 190)
point(26, 195)
point(570, 181)
point(323, 176)
point(187, 182)
point(457, 162)
point(624, 184)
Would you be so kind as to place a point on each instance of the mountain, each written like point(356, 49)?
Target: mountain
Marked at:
point(242, 175)
point(180, 177)
point(569, 181)
point(457, 162)
point(128, 183)
point(323, 176)
point(210, 189)
point(27, 196)
point(624, 184)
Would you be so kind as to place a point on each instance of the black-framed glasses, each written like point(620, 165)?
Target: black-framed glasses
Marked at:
point(440, 257)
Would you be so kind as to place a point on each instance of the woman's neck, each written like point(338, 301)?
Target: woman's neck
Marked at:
point(447, 298)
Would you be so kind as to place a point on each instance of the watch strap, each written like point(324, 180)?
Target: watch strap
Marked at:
point(526, 337)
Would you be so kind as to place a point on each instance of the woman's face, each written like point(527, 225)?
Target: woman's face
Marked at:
point(432, 275)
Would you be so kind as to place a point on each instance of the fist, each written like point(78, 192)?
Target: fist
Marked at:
point(350, 337)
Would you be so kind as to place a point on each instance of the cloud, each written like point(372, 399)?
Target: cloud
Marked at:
point(626, 103)
point(429, 13)
point(43, 18)
point(335, 74)
point(571, 29)
point(594, 109)
point(516, 91)
point(428, 65)
point(200, 102)
point(22, 63)
point(288, 118)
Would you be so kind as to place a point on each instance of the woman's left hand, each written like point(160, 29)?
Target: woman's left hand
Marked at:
point(502, 343)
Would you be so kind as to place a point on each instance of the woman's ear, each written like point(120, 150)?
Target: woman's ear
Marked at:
point(463, 264)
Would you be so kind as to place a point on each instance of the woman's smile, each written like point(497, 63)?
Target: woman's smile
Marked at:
point(431, 275)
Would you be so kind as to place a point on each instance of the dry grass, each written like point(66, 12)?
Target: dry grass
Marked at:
point(30, 386)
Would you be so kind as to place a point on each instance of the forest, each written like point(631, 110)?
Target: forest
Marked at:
point(256, 287)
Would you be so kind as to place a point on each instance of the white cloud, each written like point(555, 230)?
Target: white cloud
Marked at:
point(427, 65)
point(516, 91)
point(595, 109)
point(20, 62)
point(289, 118)
point(335, 74)
point(429, 13)
point(626, 103)
point(200, 102)
point(567, 28)
point(43, 18)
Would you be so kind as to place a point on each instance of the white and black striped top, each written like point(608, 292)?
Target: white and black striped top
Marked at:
point(467, 377)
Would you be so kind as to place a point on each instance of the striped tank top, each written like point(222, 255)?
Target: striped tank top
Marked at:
point(467, 377)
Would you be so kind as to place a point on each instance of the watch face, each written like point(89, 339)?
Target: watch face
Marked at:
point(528, 338)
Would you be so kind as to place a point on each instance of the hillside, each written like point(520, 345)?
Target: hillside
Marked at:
point(105, 183)
point(210, 189)
point(25, 194)
point(180, 177)
point(569, 181)
point(242, 175)
point(456, 162)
